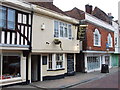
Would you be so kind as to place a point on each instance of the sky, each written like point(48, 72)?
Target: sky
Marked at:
point(108, 6)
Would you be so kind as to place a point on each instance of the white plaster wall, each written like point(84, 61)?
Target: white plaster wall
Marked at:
point(40, 37)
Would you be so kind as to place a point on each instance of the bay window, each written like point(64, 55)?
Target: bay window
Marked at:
point(50, 61)
point(59, 61)
point(56, 61)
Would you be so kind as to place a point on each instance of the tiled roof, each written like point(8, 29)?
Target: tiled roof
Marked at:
point(49, 5)
point(76, 13)
point(101, 15)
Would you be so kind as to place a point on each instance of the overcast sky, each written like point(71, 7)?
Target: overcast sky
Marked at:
point(108, 6)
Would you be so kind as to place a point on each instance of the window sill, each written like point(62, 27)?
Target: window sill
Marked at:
point(56, 69)
point(97, 45)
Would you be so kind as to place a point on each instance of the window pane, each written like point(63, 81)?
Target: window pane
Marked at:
point(50, 61)
point(65, 31)
point(70, 32)
point(11, 19)
point(11, 67)
point(56, 29)
point(61, 29)
point(3, 17)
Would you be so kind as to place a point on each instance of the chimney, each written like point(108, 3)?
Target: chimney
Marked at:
point(110, 16)
point(88, 8)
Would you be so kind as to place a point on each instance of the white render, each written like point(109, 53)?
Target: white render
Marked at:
point(116, 35)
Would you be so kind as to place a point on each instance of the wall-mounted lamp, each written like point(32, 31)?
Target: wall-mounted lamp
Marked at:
point(43, 26)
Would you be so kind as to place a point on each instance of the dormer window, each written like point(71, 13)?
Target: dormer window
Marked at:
point(109, 40)
point(97, 38)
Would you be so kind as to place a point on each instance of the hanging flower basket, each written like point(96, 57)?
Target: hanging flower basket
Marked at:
point(57, 41)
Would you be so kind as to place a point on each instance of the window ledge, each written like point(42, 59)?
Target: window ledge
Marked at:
point(56, 69)
point(97, 45)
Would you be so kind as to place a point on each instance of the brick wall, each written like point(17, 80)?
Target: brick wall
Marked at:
point(89, 43)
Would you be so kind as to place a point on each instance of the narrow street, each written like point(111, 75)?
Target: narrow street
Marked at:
point(109, 81)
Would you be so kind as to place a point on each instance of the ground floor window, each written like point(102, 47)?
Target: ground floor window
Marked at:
point(55, 61)
point(93, 62)
point(59, 61)
point(10, 67)
point(50, 61)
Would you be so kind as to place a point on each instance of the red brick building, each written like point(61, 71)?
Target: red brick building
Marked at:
point(99, 39)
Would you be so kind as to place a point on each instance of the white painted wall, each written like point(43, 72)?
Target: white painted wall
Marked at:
point(40, 37)
point(116, 35)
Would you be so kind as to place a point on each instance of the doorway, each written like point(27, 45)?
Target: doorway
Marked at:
point(70, 64)
point(35, 68)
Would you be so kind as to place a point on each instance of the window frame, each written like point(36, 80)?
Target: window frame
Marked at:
point(61, 32)
point(54, 63)
point(10, 54)
point(110, 40)
point(59, 61)
point(50, 55)
point(7, 19)
point(90, 60)
point(96, 32)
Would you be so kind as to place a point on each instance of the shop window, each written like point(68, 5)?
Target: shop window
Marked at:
point(93, 63)
point(11, 67)
point(59, 61)
point(50, 61)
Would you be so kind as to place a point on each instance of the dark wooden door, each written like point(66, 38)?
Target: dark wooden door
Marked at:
point(70, 63)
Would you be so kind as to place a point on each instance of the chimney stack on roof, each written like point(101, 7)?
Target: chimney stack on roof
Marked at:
point(88, 8)
point(110, 15)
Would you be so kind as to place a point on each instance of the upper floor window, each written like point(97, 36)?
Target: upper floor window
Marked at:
point(62, 30)
point(97, 38)
point(109, 40)
point(7, 18)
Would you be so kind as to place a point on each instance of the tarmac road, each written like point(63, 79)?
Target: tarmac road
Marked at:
point(109, 81)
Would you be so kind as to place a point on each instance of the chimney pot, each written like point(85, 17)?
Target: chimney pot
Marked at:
point(88, 8)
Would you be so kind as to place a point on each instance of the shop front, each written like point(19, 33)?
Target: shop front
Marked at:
point(93, 62)
point(12, 68)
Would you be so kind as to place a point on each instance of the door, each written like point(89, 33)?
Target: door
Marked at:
point(35, 68)
point(107, 60)
point(80, 62)
point(70, 64)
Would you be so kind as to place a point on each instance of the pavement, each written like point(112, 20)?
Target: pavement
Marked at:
point(68, 81)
